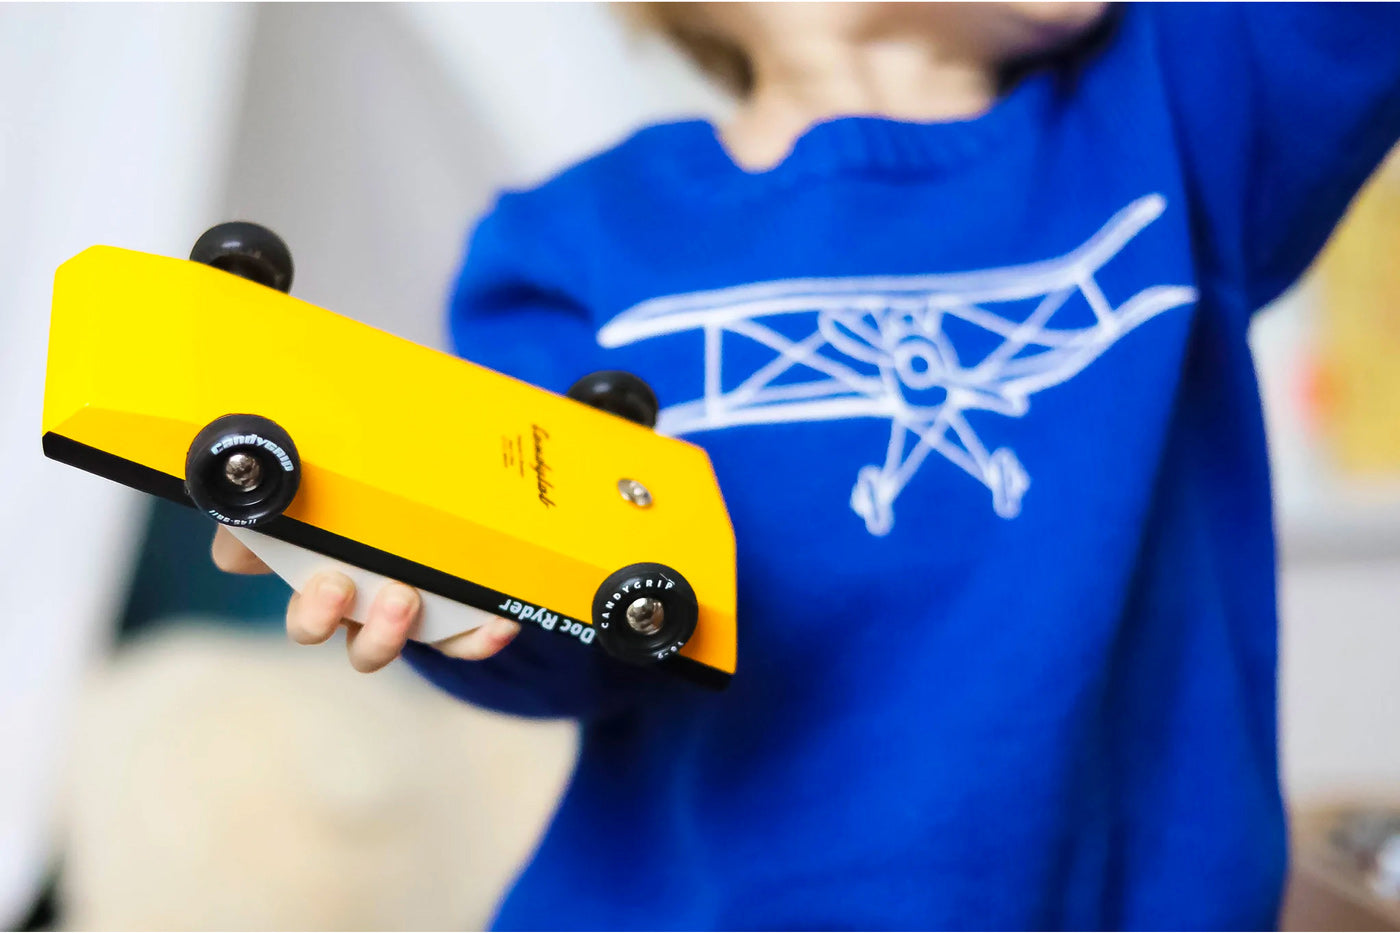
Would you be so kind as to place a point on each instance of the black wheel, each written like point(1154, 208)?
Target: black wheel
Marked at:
point(618, 393)
point(243, 470)
point(644, 613)
point(246, 250)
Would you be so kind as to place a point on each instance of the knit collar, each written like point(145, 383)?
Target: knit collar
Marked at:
point(859, 143)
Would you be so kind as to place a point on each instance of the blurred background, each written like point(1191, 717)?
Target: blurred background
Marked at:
point(167, 758)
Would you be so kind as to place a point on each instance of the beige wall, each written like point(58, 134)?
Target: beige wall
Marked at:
point(1340, 694)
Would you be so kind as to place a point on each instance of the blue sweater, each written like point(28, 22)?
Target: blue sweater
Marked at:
point(979, 398)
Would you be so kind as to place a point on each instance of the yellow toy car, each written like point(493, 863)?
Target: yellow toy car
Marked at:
point(491, 496)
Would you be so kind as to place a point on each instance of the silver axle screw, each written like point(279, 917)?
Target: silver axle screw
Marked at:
point(634, 492)
point(243, 471)
point(645, 615)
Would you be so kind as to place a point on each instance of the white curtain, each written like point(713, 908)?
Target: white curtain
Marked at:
point(114, 128)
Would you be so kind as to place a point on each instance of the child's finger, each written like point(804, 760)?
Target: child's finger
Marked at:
point(314, 613)
point(231, 556)
point(385, 630)
point(480, 643)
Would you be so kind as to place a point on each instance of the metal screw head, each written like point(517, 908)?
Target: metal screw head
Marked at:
point(646, 615)
point(634, 492)
point(243, 471)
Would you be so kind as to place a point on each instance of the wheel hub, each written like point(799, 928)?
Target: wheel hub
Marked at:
point(243, 471)
point(646, 615)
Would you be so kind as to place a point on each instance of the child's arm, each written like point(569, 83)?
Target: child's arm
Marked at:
point(1283, 110)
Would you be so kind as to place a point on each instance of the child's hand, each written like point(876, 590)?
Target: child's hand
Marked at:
point(314, 614)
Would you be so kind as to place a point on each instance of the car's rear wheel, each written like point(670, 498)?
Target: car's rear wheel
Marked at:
point(644, 613)
point(247, 250)
point(618, 393)
point(242, 470)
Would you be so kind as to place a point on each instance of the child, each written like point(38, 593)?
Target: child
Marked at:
point(984, 415)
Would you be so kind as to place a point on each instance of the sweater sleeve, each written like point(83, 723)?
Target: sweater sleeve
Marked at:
point(516, 308)
point(1283, 112)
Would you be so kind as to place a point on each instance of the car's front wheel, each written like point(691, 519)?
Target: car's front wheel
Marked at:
point(242, 470)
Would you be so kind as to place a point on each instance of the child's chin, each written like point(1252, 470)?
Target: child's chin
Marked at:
point(1069, 18)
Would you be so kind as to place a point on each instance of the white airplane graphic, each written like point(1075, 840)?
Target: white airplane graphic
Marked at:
point(879, 348)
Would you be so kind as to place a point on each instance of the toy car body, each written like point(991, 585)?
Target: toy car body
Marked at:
point(476, 488)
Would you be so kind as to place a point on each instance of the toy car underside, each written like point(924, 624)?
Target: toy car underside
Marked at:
point(315, 437)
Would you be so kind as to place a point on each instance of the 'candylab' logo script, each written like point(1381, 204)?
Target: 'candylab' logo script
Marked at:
point(540, 467)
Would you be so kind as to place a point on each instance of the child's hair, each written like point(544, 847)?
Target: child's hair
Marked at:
point(722, 60)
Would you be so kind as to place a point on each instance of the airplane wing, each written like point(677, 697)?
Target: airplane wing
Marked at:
point(918, 350)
